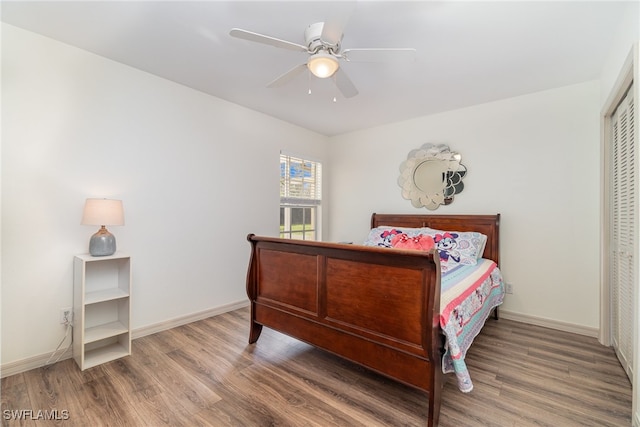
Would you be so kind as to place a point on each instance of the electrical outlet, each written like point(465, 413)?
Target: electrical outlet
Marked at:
point(66, 315)
point(509, 288)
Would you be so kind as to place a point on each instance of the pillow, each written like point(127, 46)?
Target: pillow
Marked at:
point(420, 242)
point(454, 247)
point(459, 248)
point(381, 236)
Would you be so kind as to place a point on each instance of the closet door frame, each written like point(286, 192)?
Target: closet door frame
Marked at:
point(629, 75)
point(618, 92)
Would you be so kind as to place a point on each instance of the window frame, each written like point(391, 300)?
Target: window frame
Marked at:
point(300, 188)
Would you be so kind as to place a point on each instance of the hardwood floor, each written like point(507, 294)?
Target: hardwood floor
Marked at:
point(205, 374)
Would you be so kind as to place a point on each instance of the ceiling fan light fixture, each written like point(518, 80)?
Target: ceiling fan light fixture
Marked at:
point(323, 65)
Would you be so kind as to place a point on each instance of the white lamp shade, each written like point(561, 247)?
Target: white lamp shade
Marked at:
point(103, 212)
point(322, 65)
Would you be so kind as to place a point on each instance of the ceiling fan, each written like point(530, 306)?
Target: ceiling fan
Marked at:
point(323, 43)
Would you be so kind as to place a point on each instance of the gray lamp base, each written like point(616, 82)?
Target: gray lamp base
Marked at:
point(102, 243)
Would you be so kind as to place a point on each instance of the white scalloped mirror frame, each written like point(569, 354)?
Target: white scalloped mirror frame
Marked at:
point(431, 176)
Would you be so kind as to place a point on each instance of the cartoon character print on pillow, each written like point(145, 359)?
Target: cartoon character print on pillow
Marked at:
point(387, 236)
point(446, 245)
point(455, 249)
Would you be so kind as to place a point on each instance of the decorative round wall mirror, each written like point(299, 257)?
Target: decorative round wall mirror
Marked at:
point(431, 176)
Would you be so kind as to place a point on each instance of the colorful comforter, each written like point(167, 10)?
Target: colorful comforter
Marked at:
point(469, 293)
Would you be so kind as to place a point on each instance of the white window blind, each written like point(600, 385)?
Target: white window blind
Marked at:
point(300, 198)
point(300, 181)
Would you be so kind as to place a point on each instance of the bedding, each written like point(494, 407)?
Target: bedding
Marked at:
point(468, 295)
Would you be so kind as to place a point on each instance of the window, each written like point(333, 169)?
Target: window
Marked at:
point(300, 197)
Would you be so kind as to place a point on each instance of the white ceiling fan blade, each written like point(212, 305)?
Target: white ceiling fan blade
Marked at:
point(380, 55)
point(333, 27)
point(261, 38)
point(344, 84)
point(332, 32)
point(288, 76)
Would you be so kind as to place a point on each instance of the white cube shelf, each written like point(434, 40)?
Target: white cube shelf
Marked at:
point(101, 308)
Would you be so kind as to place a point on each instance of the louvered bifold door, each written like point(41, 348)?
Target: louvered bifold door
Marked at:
point(623, 231)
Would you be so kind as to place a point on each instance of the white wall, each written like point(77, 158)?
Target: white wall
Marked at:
point(534, 159)
point(196, 175)
point(628, 33)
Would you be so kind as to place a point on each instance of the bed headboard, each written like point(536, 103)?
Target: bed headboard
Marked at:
point(488, 225)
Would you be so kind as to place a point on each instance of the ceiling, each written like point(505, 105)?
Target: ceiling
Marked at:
point(467, 53)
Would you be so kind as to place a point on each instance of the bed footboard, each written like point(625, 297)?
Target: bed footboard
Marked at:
point(375, 307)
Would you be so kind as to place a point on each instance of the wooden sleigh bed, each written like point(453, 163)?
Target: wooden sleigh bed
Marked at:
point(377, 307)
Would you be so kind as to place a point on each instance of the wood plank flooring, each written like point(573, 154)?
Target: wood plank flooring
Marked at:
point(205, 374)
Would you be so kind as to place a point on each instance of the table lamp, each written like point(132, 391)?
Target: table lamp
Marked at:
point(102, 212)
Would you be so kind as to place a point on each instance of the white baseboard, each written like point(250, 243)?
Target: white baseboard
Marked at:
point(23, 365)
point(549, 323)
point(636, 420)
point(183, 320)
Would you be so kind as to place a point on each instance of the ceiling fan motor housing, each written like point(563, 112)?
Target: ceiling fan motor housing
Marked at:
point(313, 39)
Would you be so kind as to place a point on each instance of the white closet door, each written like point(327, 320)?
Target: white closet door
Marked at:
point(623, 231)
